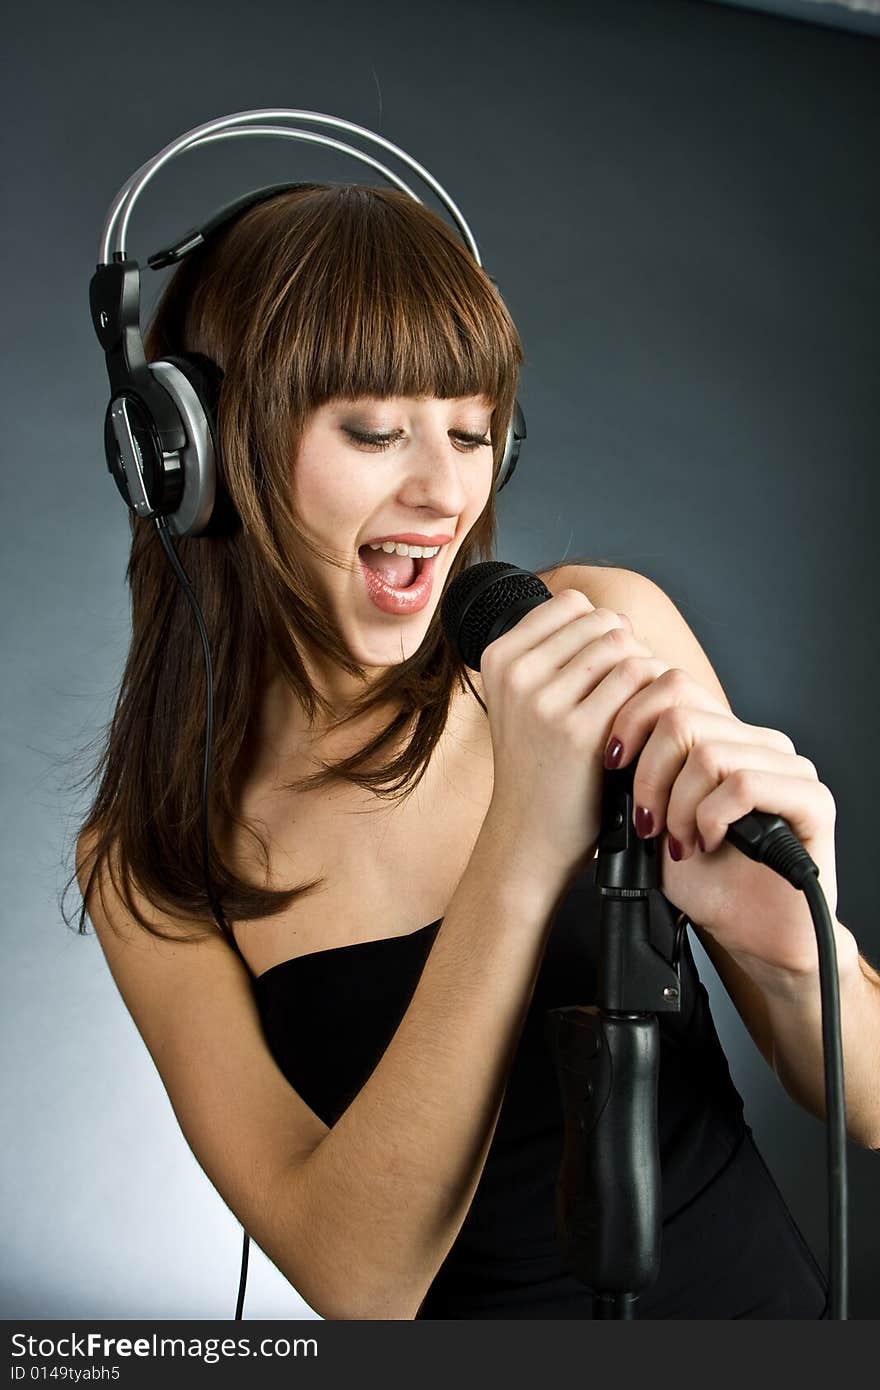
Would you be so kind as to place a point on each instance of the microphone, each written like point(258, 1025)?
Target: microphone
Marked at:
point(487, 599)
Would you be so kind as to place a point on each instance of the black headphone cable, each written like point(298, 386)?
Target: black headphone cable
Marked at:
point(182, 579)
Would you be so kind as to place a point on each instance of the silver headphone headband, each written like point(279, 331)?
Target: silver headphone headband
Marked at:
point(226, 127)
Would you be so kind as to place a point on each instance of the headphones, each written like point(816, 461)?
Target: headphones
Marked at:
point(160, 428)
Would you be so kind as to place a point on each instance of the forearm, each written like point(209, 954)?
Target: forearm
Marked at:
point(795, 1020)
point(386, 1191)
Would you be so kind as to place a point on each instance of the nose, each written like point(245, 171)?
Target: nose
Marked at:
point(437, 476)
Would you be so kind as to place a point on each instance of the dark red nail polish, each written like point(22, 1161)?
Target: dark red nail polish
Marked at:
point(613, 753)
point(674, 848)
point(644, 822)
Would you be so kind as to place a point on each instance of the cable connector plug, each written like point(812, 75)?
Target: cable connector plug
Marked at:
point(770, 840)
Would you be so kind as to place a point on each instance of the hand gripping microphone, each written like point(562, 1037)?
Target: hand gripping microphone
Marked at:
point(608, 1206)
point(489, 598)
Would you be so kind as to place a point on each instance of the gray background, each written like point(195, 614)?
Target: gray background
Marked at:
point(680, 203)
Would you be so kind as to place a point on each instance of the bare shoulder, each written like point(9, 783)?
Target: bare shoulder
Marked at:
point(589, 579)
point(182, 985)
point(192, 1001)
point(106, 906)
point(604, 585)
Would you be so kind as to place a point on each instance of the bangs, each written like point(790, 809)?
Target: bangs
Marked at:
point(385, 300)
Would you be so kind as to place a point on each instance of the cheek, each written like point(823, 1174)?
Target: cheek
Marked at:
point(329, 500)
point(480, 500)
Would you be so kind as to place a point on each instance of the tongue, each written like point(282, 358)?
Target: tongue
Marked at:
point(397, 570)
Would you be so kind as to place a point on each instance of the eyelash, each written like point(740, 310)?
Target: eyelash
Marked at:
point(384, 441)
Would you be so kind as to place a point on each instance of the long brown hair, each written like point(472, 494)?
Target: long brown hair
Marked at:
point(317, 293)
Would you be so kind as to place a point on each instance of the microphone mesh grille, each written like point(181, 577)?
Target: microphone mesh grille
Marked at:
point(476, 600)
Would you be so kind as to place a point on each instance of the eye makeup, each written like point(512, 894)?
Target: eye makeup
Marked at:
point(375, 440)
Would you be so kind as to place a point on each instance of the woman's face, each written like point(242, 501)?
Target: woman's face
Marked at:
point(373, 468)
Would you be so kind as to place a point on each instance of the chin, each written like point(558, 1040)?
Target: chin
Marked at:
point(380, 658)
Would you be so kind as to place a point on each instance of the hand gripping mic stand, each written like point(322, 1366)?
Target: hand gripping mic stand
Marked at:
point(607, 1061)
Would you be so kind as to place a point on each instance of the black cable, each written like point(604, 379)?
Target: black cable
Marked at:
point(681, 924)
point(242, 1281)
point(835, 1107)
point(182, 579)
point(770, 840)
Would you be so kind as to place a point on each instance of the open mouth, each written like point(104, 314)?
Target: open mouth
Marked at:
point(399, 588)
point(399, 572)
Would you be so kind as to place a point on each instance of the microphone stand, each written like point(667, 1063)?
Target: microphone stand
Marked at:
point(608, 1208)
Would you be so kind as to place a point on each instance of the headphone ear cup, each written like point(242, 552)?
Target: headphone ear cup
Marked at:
point(516, 433)
point(205, 509)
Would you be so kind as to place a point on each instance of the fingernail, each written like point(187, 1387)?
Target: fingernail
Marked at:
point(613, 752)
point(644, 822)
point(674, 848)
point(700, 842)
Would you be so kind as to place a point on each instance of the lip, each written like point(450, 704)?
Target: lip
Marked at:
point(400, 603)
point(410, 538)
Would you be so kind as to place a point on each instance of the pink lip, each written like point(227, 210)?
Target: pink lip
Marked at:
point(410, 539)
point(401, 602)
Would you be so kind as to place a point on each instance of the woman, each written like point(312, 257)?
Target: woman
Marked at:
point(374, 1097)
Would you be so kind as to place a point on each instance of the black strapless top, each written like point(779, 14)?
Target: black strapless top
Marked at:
point(731, 1248)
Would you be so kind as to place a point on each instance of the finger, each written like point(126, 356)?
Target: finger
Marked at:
point(673, 697)
point(708, 764)
point(541, 622)
point(567, 664)
point(807, 805)
point(602, 635)
point(674, 689)
point(610, 681)
point(681, 729)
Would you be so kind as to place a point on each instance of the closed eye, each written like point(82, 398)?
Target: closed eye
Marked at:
point(383, 441)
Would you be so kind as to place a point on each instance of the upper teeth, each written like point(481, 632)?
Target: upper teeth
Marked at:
point(401, 548)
